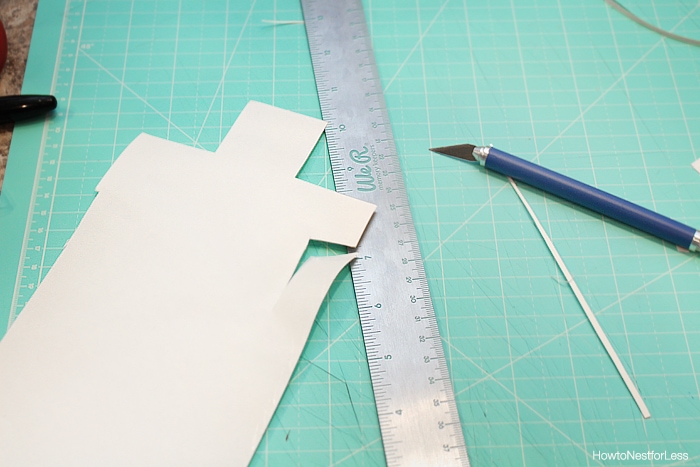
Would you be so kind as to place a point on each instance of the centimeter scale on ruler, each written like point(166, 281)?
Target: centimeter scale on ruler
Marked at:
point(417, 411)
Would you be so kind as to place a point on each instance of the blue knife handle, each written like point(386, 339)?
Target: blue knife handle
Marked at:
point(589, 197)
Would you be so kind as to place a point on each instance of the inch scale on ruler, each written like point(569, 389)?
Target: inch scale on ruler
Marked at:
point(412, 389)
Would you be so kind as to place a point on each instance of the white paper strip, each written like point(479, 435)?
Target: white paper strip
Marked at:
point(696, 165)
point(586, 308)
point(168, 328)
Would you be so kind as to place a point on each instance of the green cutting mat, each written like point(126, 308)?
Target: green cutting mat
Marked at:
point(570, 84)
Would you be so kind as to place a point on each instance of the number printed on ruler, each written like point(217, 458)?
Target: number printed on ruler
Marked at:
point(415, 402)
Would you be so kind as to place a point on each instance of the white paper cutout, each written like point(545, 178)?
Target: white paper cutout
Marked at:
point(168, 328)
point(631, 387)
point(696, 165)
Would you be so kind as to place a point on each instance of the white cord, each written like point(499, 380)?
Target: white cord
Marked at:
point(686, 40)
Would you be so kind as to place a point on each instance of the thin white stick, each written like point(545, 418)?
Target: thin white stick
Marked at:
point(586, 308)
point(280, 22)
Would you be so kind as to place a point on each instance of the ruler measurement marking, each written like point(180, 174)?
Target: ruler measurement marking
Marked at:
point(410, 378)
point(24, 281)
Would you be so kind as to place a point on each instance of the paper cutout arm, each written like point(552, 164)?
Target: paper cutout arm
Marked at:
point(293, 316)
point(337, 218)
point(252, 148)
point(297, 306)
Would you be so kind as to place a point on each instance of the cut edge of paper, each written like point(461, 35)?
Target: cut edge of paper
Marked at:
point(696, 165)
point(631, 387)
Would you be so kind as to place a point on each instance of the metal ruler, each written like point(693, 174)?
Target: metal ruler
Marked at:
point(415, 401)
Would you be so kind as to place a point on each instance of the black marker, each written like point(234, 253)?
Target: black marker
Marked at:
point(15, 108)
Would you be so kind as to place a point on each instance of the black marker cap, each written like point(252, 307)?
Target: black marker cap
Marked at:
point(15, 108)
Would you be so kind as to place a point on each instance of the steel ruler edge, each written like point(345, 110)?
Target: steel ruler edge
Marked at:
point(417, 410)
